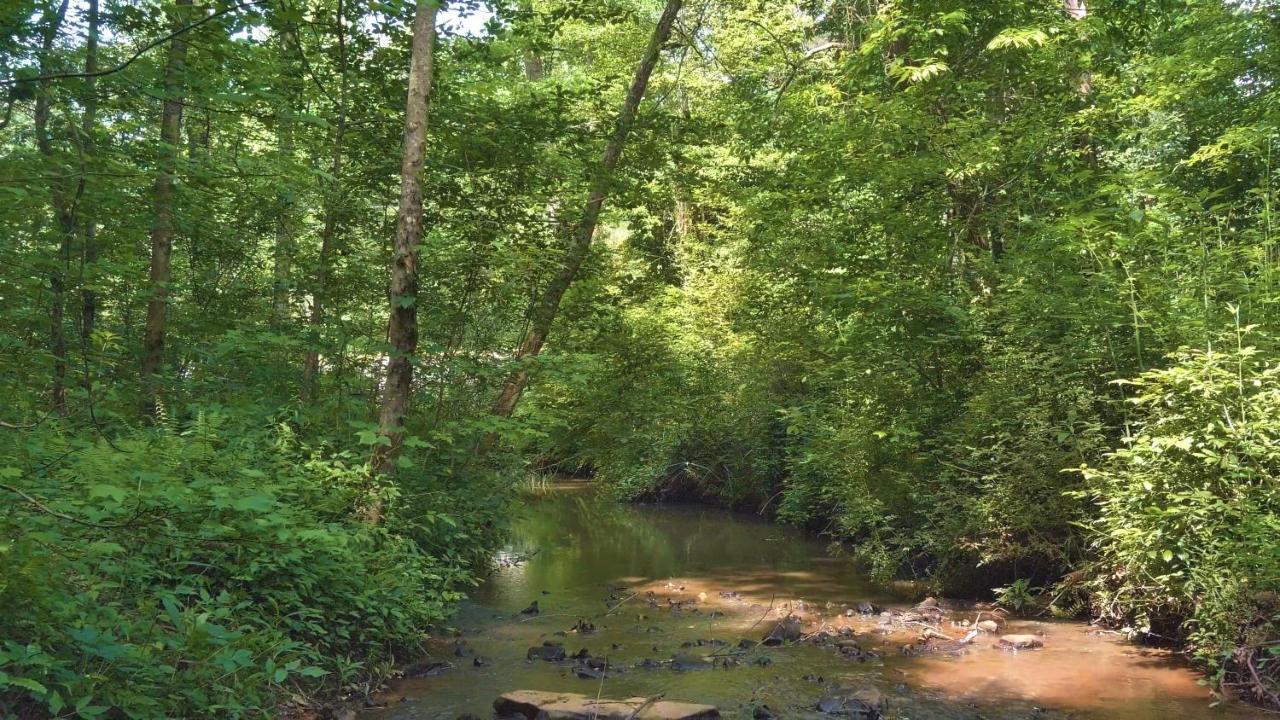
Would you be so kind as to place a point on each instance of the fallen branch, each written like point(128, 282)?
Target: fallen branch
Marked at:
point(635, 713)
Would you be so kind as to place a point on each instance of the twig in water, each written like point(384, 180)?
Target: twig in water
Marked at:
point(753, 627)
point(621, 603)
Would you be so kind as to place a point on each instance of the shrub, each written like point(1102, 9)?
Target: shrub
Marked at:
point(1189, 513)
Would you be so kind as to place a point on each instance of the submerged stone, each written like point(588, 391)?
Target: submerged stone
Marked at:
point(685, 662)
point(1019, 642)
point(425, 669)
point(533, 704)
point(864, 704)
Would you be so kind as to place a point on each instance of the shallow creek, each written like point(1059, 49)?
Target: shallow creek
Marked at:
point(574, 552)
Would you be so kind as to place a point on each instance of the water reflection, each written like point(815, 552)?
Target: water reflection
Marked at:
point(575, 546)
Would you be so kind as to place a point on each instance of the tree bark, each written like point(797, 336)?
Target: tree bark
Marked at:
point(1078, 10)
point(548, 304)
point(310, 387)
point(402, 328)
point(63, 214)
point(282, 255)
point(162, 225)
point(89, 241)
point(533, 67)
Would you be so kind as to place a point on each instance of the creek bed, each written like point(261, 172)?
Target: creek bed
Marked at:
point(638, 586)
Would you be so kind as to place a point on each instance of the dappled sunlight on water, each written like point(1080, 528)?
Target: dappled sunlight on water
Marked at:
point(653, 579)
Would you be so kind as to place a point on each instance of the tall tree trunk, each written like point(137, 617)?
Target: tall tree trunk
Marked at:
point(89, 241)
point(162, 225)
point(64, 215)
point(328, 234)
point(402, 328)
point(545, 309)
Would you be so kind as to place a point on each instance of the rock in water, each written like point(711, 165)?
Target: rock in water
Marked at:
point(572, 706)
point(532, 609)
point(787, 630)
point(990, 626)
point(1019, 642)
point(549, 651)
point(864, 704)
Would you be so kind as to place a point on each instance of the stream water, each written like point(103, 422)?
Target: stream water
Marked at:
point(584, 558)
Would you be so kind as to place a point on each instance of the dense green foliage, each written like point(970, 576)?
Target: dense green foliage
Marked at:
point(984, 290)
point(203, 574)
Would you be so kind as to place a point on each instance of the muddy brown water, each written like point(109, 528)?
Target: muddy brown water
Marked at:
point(572, 549)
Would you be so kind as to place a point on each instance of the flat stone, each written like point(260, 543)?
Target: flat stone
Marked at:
point(864, 704)
point(1019, 642)
point(535, 704)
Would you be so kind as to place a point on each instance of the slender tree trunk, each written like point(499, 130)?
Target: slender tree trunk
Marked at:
point(310, 387)
point(63, 213)
point(89, 241)
point(402, 328)
point(546, 307)
point(282, 255)
point(162, 225)
point(533, 67)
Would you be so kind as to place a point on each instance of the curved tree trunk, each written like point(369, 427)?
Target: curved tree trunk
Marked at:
point(548, 304)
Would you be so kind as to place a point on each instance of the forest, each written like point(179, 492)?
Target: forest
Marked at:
point(300, 300)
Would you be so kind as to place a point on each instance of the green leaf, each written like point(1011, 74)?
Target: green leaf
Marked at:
point(28, 684)
point(114, 492)
point(102, 547)
point(257, 502)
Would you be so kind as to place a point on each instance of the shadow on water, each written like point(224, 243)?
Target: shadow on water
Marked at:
point(572, 551)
